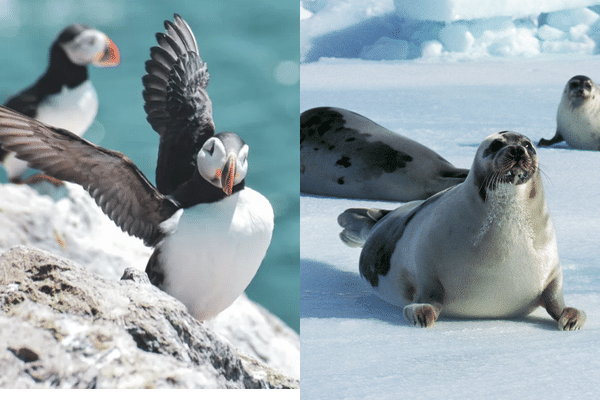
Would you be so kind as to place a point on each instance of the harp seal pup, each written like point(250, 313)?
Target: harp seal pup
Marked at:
point(343, 154)
point(483, 249)
point(578, 115)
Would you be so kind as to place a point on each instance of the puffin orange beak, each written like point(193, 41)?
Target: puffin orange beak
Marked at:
point(109, 57)
point(228, 174)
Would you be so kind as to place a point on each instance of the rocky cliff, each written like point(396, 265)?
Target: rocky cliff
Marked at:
point(68, 319)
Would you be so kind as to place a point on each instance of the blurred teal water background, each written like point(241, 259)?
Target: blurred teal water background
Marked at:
point(251, 48)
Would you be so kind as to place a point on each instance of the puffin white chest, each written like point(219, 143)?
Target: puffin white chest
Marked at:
point(71, 109)
point(215, 251)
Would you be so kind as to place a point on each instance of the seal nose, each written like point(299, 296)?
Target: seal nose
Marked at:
point(516, 152)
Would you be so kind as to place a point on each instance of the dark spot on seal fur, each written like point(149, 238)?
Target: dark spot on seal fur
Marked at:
point(493, 148)
point(341, 180)
point(382, 156)
point(377, 253)
point(344, 161)
point(327, 128)
point(533, 191)
point(318, 121)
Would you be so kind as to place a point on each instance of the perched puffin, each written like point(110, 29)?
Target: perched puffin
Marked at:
point(210, 232)
point(64, 96)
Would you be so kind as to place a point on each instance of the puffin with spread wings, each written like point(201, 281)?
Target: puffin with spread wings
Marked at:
point(209, 231)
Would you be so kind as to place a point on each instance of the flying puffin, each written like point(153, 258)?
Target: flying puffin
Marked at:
point(210, 232)
point(64, 96)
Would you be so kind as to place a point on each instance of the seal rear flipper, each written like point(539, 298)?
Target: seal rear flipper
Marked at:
point(457, 173)
point(357, 224)
point(569, 318)
point(556, 139)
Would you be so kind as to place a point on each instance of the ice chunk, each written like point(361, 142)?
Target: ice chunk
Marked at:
point(547, 32)
point(456, 37)
point(385, 49)
point(513, 42)
point(432, 49)
point(455, 10)
point(565, 19)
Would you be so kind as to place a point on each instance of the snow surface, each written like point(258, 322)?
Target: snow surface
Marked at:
point(356, 346)
point(447, 29)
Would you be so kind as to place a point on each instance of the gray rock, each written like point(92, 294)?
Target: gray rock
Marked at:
point(71, 225)
point(65, 327)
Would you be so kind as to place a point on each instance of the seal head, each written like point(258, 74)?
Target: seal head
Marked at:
point(578, 89)
point(504, 158)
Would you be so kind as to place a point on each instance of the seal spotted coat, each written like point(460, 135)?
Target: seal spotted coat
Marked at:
point(483, 249)
point(343, 154)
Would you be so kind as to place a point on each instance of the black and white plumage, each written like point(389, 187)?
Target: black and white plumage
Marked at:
point(64, 96)
point(210, 234)
point(176, 103)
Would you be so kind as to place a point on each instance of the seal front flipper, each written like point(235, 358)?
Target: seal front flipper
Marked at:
point(427, 304)
point(556, 139)
point(569, 318)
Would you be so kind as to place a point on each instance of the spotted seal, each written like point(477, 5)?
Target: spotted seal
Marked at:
point(344, 154)
point(485, 248)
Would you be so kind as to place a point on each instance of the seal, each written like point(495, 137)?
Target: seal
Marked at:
point(578, 115)
point(485, 248)
point(343, 154)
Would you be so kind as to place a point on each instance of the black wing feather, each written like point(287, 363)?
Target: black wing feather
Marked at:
point(176, 103)
point(112, 179)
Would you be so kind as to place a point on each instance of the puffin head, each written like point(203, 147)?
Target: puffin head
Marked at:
point(223, 161)
point(84, 45)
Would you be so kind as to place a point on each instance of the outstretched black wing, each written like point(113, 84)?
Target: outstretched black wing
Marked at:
point(112, 179)
point(177, 104)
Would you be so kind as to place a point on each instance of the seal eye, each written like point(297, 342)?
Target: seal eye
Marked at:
point(496, 145)
point(530, 147)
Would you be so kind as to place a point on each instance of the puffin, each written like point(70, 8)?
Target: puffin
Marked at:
point(64, 95)
point(209, 231)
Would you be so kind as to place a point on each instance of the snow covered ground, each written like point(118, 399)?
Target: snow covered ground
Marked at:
point(356, 346)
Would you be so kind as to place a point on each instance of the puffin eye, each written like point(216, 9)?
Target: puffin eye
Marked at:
point(211, 148)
